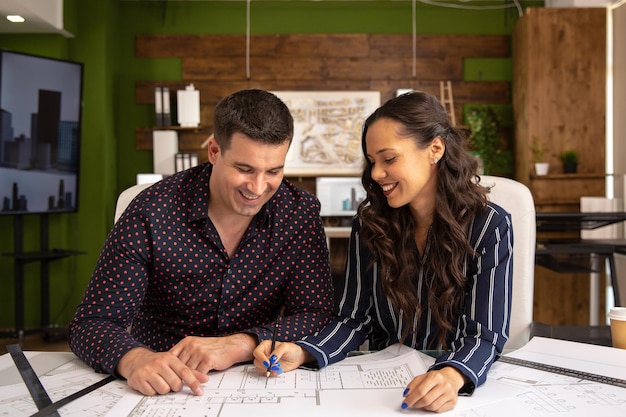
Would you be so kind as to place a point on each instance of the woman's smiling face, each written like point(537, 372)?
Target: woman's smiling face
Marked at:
point(406, 174)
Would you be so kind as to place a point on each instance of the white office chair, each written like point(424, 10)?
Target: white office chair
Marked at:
point(516, 198)
point(126, 196)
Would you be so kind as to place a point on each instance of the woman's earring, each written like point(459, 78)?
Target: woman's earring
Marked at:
point(435, 160)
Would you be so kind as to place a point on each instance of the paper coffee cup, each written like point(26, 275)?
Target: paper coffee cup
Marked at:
point(617, 315)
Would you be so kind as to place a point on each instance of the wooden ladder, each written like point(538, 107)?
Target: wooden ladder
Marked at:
point(445, 89)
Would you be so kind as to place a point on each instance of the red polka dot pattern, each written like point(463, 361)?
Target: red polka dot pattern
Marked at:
point(164, 270)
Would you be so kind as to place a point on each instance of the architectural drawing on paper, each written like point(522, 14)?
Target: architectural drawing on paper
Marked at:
point(238, 391)
point(60, 383)
point(327, 130)
point(369, 385)
point(546, 392)
point(246, 386)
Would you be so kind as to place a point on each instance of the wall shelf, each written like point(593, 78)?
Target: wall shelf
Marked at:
point(181, 128)
point(189, 139)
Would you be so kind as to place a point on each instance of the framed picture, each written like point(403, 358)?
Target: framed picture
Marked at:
point(327, 131)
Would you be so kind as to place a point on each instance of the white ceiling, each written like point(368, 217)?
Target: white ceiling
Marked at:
point(42, 16)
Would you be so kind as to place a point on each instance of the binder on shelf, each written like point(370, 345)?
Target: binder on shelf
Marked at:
point(162, 106)
point(158, 105)
point(167, 115)
point(185, 161)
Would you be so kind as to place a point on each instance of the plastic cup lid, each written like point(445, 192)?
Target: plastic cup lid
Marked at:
point(618, 313)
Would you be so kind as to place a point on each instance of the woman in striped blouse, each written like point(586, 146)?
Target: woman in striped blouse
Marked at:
point(430, 259)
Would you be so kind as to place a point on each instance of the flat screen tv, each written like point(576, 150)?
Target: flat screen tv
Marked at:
point(40, 133)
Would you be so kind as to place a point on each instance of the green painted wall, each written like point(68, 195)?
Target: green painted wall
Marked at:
point(94, 44)
point(104, 40)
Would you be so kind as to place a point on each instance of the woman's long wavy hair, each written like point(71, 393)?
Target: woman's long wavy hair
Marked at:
point(389, 232)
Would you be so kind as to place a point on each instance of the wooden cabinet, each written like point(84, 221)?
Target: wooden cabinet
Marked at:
point(559, 82)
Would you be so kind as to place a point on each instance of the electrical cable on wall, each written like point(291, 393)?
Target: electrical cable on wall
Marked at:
point(414, 25)
point(248, 39)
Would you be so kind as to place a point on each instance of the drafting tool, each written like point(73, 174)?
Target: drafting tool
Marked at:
point(35, 388)
point(43, 402)
point(565, 371)
point(52, 408)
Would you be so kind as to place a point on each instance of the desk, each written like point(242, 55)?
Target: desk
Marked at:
point(365, 385)
point(595, 335)
point(549, 252)
point(551, 222)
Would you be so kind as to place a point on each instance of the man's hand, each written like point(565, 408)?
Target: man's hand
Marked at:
point(158, 372)
point(288, 354)
point(205, 354)
point(435, 390)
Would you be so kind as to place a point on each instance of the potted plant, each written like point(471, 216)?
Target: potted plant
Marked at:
point(541, 167)
point(485, 141)
point(570, 161)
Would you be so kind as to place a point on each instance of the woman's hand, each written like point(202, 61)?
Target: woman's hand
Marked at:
point(435, 390)
point(286, 356)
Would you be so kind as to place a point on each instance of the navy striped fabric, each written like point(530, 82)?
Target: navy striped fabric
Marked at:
point(483, 323)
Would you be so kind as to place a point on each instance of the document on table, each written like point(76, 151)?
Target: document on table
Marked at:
point(61, 374)
point(601, 360)
point(544, 393)
point(369, 384)
point(372, 385)
point(365, 385)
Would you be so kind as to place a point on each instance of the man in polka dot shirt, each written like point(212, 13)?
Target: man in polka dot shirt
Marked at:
point(192, 275)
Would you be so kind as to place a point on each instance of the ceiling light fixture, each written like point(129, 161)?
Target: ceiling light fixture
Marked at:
point(15, 18)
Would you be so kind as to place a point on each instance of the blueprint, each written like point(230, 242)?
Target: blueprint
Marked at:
point(538, 393)
point(364, 385)
point(547, 394)
point(65, 379)
point(378, 381)
point(381, 376)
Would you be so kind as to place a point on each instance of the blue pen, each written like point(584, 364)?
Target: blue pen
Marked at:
point(274, 335)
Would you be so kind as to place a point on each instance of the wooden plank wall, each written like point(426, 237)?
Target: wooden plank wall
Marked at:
point(216, 65)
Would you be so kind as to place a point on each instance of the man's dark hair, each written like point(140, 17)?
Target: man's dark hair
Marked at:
point(258, 114)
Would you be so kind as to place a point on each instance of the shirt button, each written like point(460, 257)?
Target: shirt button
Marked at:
point(229, 272)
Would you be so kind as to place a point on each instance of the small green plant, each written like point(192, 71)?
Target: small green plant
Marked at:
point(569, 156)
point(537, 149)
point(486, 140)
point(570, 161)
